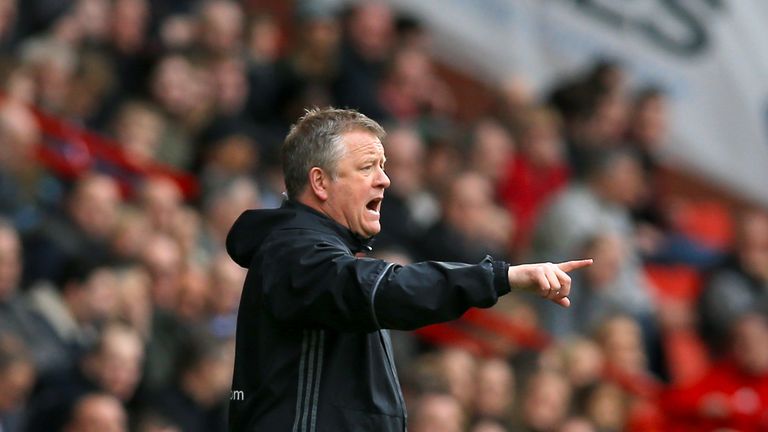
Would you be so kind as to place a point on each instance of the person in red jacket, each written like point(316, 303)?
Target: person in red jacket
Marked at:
point(734, 393)
point(536, 172)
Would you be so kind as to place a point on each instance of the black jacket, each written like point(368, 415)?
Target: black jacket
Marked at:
point(313, 352)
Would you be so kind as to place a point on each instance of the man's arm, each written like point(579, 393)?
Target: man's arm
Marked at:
point(431, 292)
point(310, 281)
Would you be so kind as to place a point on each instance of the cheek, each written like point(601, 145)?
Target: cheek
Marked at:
point(357, 197)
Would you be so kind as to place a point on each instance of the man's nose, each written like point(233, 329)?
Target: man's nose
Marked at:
point(382, 179)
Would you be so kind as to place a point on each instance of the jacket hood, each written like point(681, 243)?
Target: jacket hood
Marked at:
point(253, 226)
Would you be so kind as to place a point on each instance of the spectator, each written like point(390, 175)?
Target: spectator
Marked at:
point(491, 149)
point(82, 299)
point(85, 228)
point(164, 262)
point(231, 156)
point(659, 239)
point(152, 422)
point(400, 211)
point(178, 31)
point(263, 39)
point(134, 300)
point(595, 298)
point(734, 393)
point(131, 233)
point(308, 73)
point(163, 258)
point(577, 424)
point(222, 206)
point(649, 125)
point(17, 376)
point(161, 200)
point(534, 175)
point(227, 280)
point(594, 112)
point(91, 85)
point(627, 361)
point(129, 22)
point(472, 226)
point(196, 399)
point(221, 27)
point(599, 205)
point(192, 306)
point(458, 367)
point(487, 425)
point(53, 64)
point(437, 412)
point(17, 318)
point(410, 89)
point(231, 88)
point(138, 127)
point(606, 405)
point(366, 47)
point(740, 284)
point(495, 390)
point(177, 86)
point(514, 98)
point(92, 18)
point(8, 15)
point(97, 413)
point(583, 363)
point(27, 191)
point(545, 402)
point(112, 366)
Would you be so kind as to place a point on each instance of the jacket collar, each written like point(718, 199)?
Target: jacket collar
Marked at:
point(355, 242)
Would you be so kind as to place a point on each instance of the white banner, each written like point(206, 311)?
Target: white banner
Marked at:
point(710, 55)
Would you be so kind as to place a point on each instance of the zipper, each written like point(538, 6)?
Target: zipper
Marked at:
point(388, 349)
point(393, 374)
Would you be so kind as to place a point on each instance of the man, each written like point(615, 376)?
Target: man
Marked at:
point(97, 412)
point(313, 348)
point(111, 367)
point(17, 317)
point(90, 215)
point(435, 411)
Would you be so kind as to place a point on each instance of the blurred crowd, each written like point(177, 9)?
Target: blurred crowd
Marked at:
point(118, 302)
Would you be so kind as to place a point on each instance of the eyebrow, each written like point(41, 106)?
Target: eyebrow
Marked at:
point(371, 157)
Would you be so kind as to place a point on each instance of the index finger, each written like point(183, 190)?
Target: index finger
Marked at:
point(573, 265)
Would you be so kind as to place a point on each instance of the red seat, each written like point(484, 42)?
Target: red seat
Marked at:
point(447, 334)
point(674, 282)
point(708, 222)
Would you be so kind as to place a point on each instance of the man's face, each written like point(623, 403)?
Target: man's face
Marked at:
point(10, 263)
point(354, 197)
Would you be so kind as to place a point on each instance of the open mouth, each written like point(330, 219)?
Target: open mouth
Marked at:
point(374, 205)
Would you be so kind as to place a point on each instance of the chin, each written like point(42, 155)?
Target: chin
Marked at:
point(371, 230)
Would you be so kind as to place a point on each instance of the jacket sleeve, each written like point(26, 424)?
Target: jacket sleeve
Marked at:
point(430, 292)
point(309, 280)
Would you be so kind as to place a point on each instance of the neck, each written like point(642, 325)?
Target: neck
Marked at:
point(311, 202)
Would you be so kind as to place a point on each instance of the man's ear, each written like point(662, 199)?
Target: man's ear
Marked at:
point(318, 182)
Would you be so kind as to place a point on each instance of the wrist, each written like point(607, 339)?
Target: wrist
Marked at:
point(501, 278)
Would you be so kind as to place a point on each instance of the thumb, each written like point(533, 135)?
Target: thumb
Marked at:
point(564, 302)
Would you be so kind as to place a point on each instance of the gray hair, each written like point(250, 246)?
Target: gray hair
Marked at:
point(316, 141)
